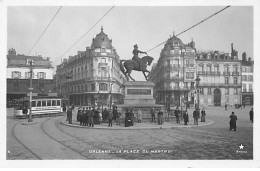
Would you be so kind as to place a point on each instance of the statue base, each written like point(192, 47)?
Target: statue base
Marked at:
point(139, 95)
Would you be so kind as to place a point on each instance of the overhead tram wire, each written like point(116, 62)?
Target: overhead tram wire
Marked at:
point(44, 31)
point(85, 33)
point(193, 26)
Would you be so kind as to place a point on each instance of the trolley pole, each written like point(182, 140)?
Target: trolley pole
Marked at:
point(30, 89)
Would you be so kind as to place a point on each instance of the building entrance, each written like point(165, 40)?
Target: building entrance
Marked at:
point(217, 97)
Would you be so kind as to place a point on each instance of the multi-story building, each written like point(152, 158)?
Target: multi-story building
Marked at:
point(220, 76)
point(175, 72)
point(93, 76)
point(18, 75)
point(247, 80)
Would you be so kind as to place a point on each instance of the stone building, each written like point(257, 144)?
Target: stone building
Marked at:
point(247, 80)
point(174, 73)
point(220, 76)
point(92, 76)
point(18, 75)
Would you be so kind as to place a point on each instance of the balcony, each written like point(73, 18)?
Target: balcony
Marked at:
point(189, 65)
point(235, 73)
point(244, 90)
point(250, 90)
point(226, 73)
point(103, 64)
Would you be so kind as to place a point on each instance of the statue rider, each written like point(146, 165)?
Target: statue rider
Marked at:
point(135, 57)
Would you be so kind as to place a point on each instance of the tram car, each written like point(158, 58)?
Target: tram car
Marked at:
point(40, 106)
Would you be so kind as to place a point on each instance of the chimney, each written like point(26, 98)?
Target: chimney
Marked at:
point(244, 56)
point(12, 52)
point(232, 48)
point(249, 59)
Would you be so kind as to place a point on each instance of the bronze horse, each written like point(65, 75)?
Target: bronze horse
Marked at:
point(130, 65)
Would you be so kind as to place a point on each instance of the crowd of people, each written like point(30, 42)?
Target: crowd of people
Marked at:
point(90, 117)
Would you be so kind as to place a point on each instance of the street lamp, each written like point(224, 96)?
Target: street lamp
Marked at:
point(110, 96)
point(30, 89)
point(197, 86)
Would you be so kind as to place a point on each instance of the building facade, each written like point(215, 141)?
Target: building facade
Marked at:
point(18, 75)
point(175, 72)
point(247, 80)
point(220, 76)
point(91, 77)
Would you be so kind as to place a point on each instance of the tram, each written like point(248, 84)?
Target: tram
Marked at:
point(40, 106)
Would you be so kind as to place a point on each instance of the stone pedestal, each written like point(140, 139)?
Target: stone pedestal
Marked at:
point(139, 95)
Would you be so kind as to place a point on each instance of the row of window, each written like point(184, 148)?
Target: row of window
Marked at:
point(247, 78)
point(209, 68)
point(81, 88)
point(18, 75)
point(250, 86)
point(235, 81)
point(247, 69)
point(209, 91)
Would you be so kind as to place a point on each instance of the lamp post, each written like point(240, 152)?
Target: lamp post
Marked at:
point(30, 89)
point(110, 96)
point(197, 86)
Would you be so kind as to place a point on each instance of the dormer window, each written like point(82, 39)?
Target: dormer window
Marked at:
point(103, 49)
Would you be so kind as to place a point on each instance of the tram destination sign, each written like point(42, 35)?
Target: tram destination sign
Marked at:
point(139, 91)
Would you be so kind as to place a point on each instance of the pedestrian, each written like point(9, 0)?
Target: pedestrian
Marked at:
point(203, 115)
point(233, 121)
point(104, 115)
point(127, 118)
point(84, 116)
point(110, 117)
point(251, 114)
point(160, 117)
point(132, 115)
point(69, 114)
point(25, 110)
point(196, 116)
point(80, 116)
point(95, 116)
point(118, 114)
point(225, 106)
point(90, 117)
point(177, 115)
point(186, 117)
point(152, 112)
point(139, 116)
point(64, 108)
point(99, 117)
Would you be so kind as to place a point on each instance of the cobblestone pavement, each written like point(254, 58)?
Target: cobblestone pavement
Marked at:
point(210, 142)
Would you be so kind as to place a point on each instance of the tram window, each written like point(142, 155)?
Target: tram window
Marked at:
point(39, 103)
point(53, 102)
point(33, 103)
point(48, 102)
point(58, 102)
point(43, 103)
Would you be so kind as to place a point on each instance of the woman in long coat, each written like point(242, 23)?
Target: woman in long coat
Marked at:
point(186, 117)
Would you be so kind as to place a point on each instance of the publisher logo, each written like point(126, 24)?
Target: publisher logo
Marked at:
point(241, 149)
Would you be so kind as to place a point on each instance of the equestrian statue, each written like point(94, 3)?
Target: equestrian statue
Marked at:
point(137, 64)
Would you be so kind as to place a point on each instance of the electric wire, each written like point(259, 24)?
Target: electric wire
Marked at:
point(193, 26)
point(44, 31)
point(85, 34)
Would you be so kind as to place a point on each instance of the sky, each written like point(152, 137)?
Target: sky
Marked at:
point(146, 26)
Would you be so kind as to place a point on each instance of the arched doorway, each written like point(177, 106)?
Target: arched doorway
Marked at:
point(217, 97)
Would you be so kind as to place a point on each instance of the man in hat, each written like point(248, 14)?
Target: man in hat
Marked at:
point(232, 122)
point(135, 57)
